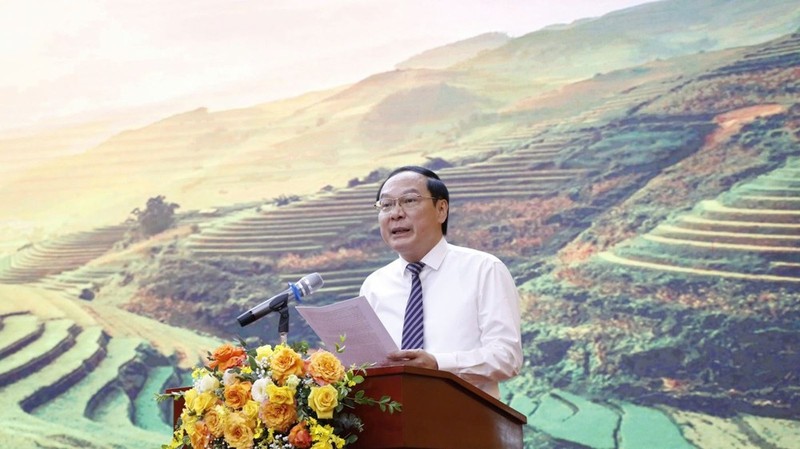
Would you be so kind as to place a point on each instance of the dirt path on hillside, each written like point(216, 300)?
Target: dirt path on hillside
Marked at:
point(732, 122)
point(46, 304)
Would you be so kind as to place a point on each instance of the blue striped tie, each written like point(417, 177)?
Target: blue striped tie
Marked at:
point(413, 331)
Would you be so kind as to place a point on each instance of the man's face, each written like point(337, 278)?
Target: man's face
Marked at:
point(412, 232)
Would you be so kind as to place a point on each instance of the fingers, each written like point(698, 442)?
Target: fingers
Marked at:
point(414, 357)
point(406, 354)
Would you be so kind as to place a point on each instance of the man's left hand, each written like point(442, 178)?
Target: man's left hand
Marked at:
point(413, 357)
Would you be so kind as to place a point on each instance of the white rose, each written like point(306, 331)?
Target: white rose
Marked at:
point(207, 383)
point(259, 390)
point(229, 378)
point(292, 381)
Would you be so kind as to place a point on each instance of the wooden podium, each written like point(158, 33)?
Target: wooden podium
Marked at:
point(440, 411)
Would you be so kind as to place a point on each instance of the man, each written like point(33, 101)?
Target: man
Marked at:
point(470, 323)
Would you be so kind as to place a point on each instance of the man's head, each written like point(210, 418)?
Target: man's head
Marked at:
point(415, 212)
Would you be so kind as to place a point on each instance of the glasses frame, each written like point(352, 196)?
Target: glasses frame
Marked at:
point(396, 202)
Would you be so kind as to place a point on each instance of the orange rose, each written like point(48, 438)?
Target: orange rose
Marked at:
point(201, 437)
point(214, 420)
point(325, 368)
point(237, 395)
point(237, 433)
point(278, 416)
point(227, 356)
point(300, 437)
point(284, 363)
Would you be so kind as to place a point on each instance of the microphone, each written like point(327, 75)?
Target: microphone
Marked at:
point(305, 286)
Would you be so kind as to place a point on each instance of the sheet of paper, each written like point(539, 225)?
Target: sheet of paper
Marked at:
point(366, 340)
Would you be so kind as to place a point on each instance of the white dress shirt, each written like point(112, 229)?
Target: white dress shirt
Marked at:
point(471, 308)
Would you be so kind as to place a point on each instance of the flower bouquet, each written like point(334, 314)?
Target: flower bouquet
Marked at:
point(272, 398)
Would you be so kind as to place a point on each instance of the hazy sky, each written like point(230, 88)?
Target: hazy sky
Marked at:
point(66, 58)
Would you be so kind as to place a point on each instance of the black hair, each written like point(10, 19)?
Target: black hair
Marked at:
point(435, 186)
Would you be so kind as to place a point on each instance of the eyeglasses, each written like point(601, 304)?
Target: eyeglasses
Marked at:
point(406, 202)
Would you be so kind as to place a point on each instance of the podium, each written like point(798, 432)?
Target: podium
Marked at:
point(440, 411)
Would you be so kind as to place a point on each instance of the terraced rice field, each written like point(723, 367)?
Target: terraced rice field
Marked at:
point(781, 53)
point(58, 255)
point(575, 421)
point(311, 225)
point(69, 372)
point(752, 232)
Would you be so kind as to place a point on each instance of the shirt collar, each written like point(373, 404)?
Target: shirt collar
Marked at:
point(434, 257)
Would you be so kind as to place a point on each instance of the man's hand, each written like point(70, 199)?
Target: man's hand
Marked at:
point(413, 357)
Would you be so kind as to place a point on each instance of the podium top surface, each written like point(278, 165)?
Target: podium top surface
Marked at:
point(455, 381)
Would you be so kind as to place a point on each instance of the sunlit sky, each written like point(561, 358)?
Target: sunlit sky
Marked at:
point(77, 59)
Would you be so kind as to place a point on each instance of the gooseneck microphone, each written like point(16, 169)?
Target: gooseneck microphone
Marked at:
point(304, 287)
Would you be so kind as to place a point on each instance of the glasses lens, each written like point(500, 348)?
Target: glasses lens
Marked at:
point(385, 204)
point(408, 202)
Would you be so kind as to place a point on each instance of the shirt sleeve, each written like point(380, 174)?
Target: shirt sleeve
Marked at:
point(499, 356)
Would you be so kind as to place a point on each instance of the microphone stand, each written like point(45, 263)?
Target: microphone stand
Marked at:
point(283, 324)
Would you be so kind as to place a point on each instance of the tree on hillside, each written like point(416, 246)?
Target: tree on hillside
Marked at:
point(157, 217)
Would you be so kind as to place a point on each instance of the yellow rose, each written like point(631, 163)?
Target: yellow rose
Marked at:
point(325, 368)
point(323, 400)
point(237, 433)
point(189, 397)
point(285, 362)
point(215, 420)
point(237, 394)
point(278, 417)
point(203, 402)
point(263, 353)
point(280, 395)
point(250, 412)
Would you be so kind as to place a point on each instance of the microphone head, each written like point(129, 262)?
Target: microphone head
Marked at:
point(309, 284)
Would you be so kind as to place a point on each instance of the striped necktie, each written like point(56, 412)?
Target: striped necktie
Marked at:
point(413, 331)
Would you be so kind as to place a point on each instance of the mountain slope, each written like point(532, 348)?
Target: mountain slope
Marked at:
point(550, 57)
point(443, 57)
point(204, 159)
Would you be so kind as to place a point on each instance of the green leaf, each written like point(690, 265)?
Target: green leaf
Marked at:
point(300, 347)
point(161, 397)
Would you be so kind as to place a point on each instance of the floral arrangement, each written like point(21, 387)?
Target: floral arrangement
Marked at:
point(272, 398)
